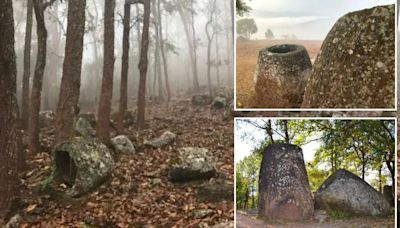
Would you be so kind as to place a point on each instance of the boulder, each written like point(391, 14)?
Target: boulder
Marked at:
point(46, 119)
point(123, 145)
point(284, 190)
point(81, 163)
point(90, 116)
point(216, 191)
point(281, 76)
point(344, 191)
point(389, 194)
point(219, 102)
point(83, 127)
point(165, 139)
point(192, 164)
point(355, 66)
point(201, 99)
point(14, 221)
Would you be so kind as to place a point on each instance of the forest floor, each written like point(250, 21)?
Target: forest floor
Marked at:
point(245, 220)
point(246, 61)
point(138, 193)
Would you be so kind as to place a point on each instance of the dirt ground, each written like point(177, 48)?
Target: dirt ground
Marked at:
point(131, 198)
point(246, 61)
point(244, 220)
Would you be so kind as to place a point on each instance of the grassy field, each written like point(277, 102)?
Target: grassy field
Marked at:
point(246, 60)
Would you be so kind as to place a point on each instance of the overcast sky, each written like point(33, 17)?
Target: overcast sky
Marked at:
point(306, 19)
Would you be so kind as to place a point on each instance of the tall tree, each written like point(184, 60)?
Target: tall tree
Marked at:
point(143, 64)
point(34, 109)
point(157, 65)
point(123, 100)
point(27, 65)
point(162, 46)
point(67, 108)
point(103, 126)
point(9, 133)
point(210, 36)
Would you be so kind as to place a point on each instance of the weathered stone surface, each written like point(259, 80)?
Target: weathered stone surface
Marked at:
point(281, 76)
point(84, 128)
point(123, 145)
point(201, 99)
point(81, 163)
point(14, 222)
point(192, 164)
point(165, 139)
point(389, 194)
point(218, 190)
point(201, 213)
point(46, 119)
point(344, 191)
point(355, 66)
point(284, 190)
point(219, 102)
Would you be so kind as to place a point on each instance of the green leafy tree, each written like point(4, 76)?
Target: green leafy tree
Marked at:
point(269, 35)
point(241, 8)
point(246, 27)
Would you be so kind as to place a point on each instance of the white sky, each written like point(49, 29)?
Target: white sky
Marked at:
point(307, 19)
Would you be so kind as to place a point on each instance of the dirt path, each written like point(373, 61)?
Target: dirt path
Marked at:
point(244, 220)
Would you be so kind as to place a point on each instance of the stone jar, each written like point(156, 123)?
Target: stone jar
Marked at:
point(281, 76)
point(284, 190)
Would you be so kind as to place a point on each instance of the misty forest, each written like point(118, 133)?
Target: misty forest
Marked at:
point(116, 113)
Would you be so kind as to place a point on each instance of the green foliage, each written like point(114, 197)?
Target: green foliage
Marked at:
point(242, 8)
point(337, 214)
point(247, 181)
point(246, 27)
point(45, 186)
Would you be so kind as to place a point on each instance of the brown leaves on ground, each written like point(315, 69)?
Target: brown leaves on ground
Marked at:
point(139, 194)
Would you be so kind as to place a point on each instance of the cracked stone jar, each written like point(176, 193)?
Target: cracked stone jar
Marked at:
point(281, 76)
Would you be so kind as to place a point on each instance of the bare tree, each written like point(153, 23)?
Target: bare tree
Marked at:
point(103, 126)
point(27, 65)
point(9, 133)
point(210, 36)
point(34, 109)
point(123, 100)
point(143, 64)
point(165, 63)
point(71, 79)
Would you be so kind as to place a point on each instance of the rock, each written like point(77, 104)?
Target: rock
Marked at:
point(81, 163)
point(84, 128)
point(281, 76)
point(156, 181)
point(321, 216)
point(14, 222)
point(198, 214)
point(217, 191)
point(165, 139)
point(355, 66)
point(218, 103)
point(284, 190)
point(388, 194)
point(201, 99)
point(46, 119)
point(129, 118)
point(123, 145)
point(192, 164)
point(346, 192)
point(89, 116)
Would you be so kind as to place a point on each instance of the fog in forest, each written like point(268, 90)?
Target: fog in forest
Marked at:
point(177, 51)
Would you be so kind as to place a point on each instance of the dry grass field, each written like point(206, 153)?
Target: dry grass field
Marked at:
point(246, 60)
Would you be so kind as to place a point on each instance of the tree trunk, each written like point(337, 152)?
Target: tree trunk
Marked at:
point(285, 128)
point(67, 109)
point(196, 85)
point(123, 100)
point(143, 67)
point(217, 60)
point(34, 108)
point(9, 133)
point(209, 38)
point(165, 64)
point(103, 126)
point(27, 65)
point(157, 65)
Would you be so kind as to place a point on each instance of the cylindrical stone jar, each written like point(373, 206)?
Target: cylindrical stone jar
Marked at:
point(284, 190)
point(281, 76)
